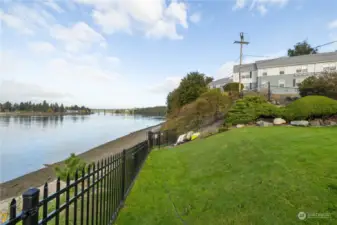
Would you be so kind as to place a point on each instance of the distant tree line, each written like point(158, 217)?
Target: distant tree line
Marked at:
point(147, 111)
point(151, 111)
point(40, 107)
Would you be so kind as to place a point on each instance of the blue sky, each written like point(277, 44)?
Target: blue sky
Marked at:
point(131, 53)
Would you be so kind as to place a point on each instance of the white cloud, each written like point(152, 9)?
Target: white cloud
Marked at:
point(262, 9)
point(53, 5)
point(154, 18)
point(195, 17)
point(239, 4)
point(33, 16)
point(177, 12)
point(15, 23)
point(113, 60)
point(261, 6)
point(15, 91)
point(332, 25)
point(81, 67)
point(41, 47)
point(164, 29)
point(78, 37)
point(169, 84)
point(112, 21)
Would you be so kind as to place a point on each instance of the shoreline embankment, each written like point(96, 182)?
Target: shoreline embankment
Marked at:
point(17, 186)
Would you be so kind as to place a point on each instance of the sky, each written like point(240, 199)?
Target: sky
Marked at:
point(131, 53)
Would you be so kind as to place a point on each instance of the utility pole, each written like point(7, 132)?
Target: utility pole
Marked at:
point(241, 42)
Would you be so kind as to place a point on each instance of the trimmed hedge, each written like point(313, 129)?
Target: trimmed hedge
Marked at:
point(311, 107)
point(250, 108)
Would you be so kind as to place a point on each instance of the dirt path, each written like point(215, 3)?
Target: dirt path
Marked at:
point(37, 178)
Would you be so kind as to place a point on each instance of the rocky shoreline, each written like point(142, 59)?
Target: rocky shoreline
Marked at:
point(17, 186)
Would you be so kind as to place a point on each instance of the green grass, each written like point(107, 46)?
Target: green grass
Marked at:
point(245, 176)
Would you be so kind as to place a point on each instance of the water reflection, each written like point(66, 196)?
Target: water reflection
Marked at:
point(28, 142)
point(41, 121)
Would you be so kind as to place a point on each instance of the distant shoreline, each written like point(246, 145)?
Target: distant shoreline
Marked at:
point(41, 113)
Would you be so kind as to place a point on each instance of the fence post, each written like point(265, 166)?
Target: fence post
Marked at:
point(30, 206)
point(269, 92)
point(123, 174)
point(149, 139)
point(159, 138)
point(167, 137)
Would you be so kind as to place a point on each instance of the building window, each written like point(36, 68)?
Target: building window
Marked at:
point(250, 86)
point(304, 69)
point(299, 70)
point(329, 67)
point(282, 71)
point(251, 74)
point(281, 83)
point(264, 73)
point(296, 82)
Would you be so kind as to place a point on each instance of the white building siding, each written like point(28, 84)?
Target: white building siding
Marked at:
point(282, 72)
point(305, 68)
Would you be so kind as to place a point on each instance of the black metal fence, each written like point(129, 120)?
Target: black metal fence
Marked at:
point(162, 138)
point(94, 197)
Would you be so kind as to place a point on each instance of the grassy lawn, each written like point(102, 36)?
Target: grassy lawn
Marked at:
point(245, 176)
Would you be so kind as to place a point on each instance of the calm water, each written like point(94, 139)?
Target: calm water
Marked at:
point(28, 142)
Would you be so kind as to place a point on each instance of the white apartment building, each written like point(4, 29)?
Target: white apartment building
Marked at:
point(285, 73)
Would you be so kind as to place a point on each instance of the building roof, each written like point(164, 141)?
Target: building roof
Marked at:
point(298, 60)
point(288, 61)
point(245, 67)
point(221, 81)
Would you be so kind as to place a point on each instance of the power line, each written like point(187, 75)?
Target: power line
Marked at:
point(329, 43)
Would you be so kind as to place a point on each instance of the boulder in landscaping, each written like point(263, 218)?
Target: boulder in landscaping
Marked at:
point(240, 126)
point(279, 121)
point(329, 123)
point(263, 124)
point(301, 123)
point(316, 123)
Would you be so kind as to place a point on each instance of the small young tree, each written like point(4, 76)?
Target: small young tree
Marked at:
point(72, 164)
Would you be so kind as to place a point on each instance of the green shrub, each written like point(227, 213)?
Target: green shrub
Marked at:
point(311, 107)
point(250, 108)
point(324, 85)
point(72, 164)
point(232, 87)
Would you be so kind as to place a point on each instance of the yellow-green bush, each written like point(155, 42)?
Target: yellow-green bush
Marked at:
point(310, 107)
